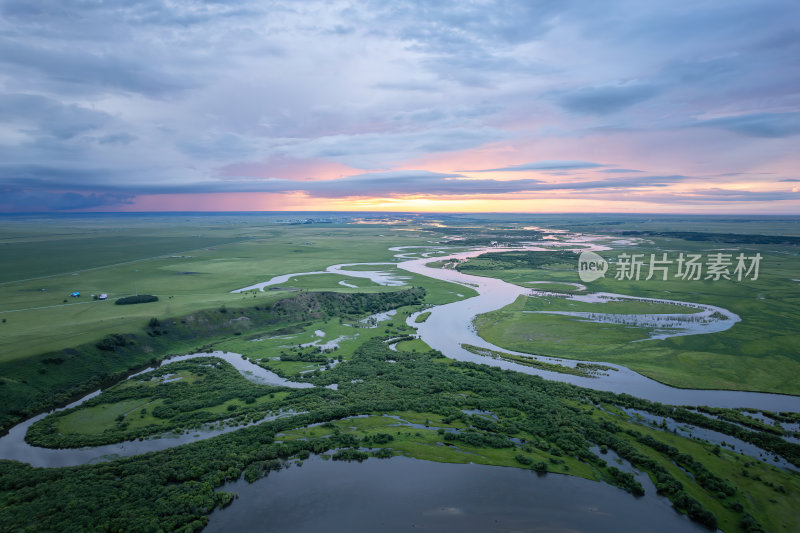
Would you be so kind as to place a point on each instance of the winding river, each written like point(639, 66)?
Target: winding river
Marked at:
point(14, 447)
point(450, 325)
point(446, 329)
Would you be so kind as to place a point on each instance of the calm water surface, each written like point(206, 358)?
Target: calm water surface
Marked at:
point(402, 494)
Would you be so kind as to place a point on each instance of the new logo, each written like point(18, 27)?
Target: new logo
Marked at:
point(591, 266)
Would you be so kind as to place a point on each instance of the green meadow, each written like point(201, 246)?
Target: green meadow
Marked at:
point(745, 357)
point(394, 395)
point(195, 267)
point(414, 403)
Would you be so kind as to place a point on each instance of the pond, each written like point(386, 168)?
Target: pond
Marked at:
point(403, 494)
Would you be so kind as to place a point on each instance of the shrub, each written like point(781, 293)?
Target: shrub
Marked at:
point(137, 299)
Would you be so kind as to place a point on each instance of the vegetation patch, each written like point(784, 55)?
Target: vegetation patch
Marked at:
point(436, 409)
point(422, 317)
point(29, 390)
point(136, 299)
point(588, 370)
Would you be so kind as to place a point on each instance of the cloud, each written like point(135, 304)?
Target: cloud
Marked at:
point(713, 196)
point(604, 99)
point(367, 185)
point(765, 125)
point(90, 72)
point(117, 138)
point(542, 165)
point(407, 86)
point(47, 116)
point(120, 97)
point(468, 24)
point(26, 200)
point(376, 150)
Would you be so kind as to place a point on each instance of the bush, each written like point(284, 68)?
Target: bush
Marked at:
point(111, 342)
point(138, 299)
point(524, 460)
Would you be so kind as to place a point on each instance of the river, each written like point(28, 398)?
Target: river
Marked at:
point(446, 329)
point(14, 447)
point(450, 325)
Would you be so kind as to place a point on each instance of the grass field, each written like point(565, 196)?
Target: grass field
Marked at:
point(177, 396)
point(744, 357)
point(197, 264)
point(410, 401)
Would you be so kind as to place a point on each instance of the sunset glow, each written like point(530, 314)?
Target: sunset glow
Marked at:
point(646, 107)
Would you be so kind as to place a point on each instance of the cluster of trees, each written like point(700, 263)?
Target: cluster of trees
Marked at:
point(626, 481)
point(521, 260)
point(312, 355)
point(136, 299)
point(740, 418)
point(764, 440)
point(480, 439)
point(110, 343)
point(30, 389)
point(609, 433)
point(472, 237)
point(182, 404)
point(581, 369)
point(175, 489)
point(736, 238)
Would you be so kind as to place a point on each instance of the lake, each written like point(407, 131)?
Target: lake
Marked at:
point(403, 494)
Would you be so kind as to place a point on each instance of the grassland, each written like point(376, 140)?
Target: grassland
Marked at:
point(266, 350)
point(479, 414)
point(202, 259)
point(744, 357)
point(177, 396)
point(410, 401)
point(422, 317)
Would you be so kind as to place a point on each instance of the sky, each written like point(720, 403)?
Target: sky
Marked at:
point(468, 106)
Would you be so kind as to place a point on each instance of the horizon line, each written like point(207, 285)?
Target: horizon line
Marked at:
point(595, 213)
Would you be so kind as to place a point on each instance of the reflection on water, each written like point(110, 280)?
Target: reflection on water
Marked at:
point(402, 494)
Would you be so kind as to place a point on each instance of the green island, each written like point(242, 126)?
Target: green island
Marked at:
point(580, 369)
